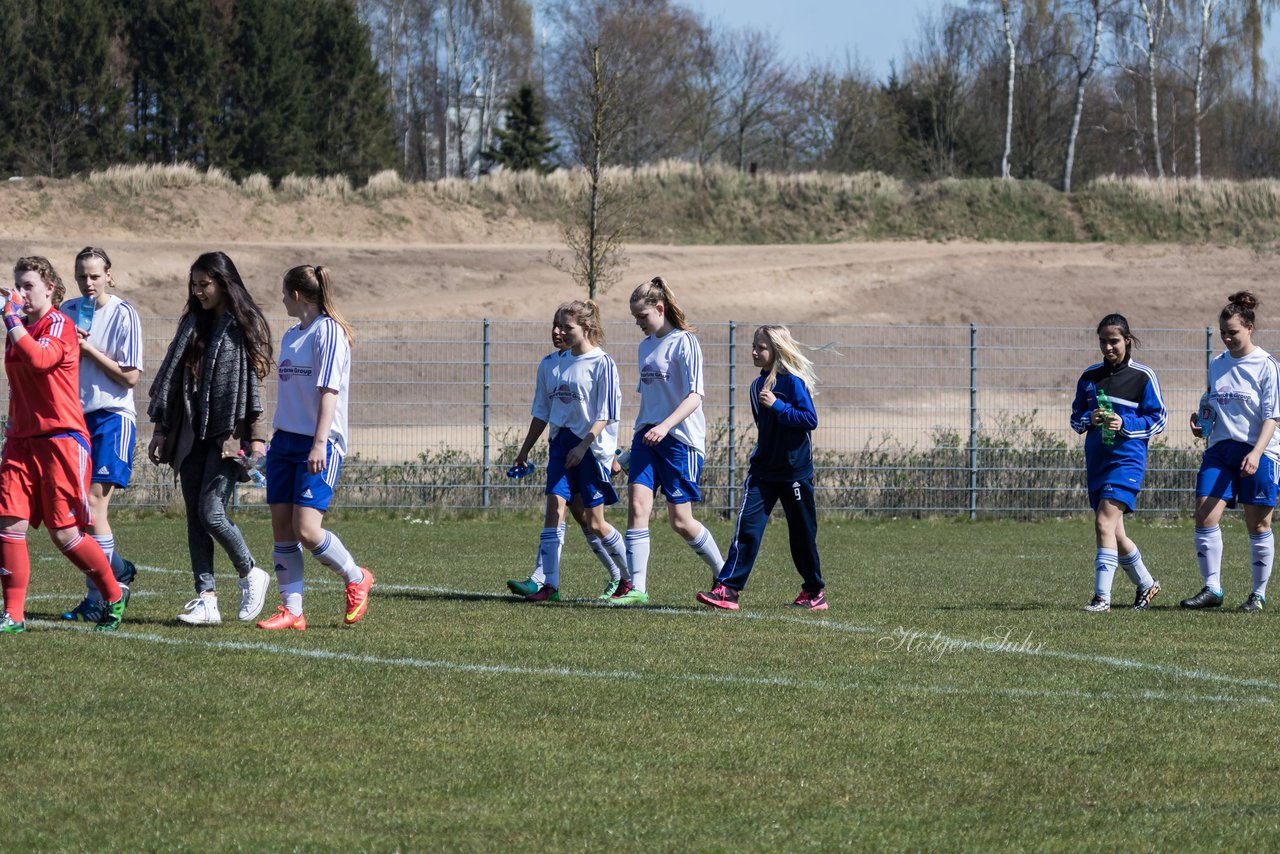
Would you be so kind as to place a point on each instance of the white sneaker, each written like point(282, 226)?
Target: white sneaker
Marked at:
point(202, 611)
point(253, 593)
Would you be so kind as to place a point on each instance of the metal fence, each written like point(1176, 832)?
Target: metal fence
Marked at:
point(944, 420)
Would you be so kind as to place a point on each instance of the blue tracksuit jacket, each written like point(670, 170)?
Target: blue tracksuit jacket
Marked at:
point(1135, 396)
point(783, 451)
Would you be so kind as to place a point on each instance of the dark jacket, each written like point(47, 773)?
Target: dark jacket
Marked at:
point(223, 405)
point(782, 449)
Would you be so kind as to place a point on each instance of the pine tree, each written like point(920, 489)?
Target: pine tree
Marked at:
point(348, 119)
point(524, 143)
point(63, 110)
point(269, 91)
point(178, 52)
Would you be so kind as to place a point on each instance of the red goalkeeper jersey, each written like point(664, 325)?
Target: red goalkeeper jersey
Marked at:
point(44, 379)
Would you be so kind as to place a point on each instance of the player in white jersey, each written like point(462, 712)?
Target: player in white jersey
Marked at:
point(581, 405)
point(308, 445)
point(110, 336)
point(1241, 460)
point(669, 444)
point(611, 554)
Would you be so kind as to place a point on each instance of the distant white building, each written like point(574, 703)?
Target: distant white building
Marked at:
point(475, 118)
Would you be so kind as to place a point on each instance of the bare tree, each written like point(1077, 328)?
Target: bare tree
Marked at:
point(595, 70)
point(1257, 16)
point(1084, 58)
point(405, 35)
point(1006, 21)
point(844, 119)
point(937, 80)
point(449, 63)
point(1206, 9)
point(1153, 16)
point(702, 95)
point(755, 80)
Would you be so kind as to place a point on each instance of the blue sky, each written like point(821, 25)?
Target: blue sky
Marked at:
point(873, 31)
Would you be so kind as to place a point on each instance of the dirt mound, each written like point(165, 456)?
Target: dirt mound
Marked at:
point(409, 259)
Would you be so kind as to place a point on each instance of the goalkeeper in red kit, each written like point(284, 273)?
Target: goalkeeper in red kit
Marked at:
point(44, 471)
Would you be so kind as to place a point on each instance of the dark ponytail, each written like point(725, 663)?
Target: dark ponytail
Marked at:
point(1119, 321)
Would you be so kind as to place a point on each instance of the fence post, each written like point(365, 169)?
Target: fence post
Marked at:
point(733, 376)
point(973, 421)
point(484, 471)
point(1208, 355)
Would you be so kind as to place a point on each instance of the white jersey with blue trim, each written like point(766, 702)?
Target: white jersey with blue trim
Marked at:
point(548, 379)
point(670, 370)
point(117, 332)
point(1245, 392)
point(313, 358)
point(583, 390)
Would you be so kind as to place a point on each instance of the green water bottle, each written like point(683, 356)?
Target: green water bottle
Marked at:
point(1104, 403)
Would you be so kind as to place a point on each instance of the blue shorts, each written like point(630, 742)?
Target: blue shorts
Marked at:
point(671, 465)
point(1126, 498)
point(289, 482)
point(1220, 476)
point(111, 437)
point(588, 479)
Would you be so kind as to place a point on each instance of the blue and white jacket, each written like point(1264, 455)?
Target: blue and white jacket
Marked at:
point(1135, 397)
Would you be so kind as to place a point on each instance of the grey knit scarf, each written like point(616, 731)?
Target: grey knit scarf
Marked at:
point(227, 393)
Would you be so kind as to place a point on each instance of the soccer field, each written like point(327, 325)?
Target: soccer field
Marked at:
point(954, 697)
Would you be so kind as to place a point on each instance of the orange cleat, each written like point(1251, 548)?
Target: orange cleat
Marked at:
point(358, 597)
point(282, 619)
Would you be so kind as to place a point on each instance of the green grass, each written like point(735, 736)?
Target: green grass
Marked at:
point(455, 718)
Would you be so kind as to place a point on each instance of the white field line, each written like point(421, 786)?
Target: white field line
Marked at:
point(70, 599)
point(693, 678)
point(951, 644)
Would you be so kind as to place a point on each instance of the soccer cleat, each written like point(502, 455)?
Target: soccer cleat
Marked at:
point(202, 611)
point(126, 578)
point(283, 619)
point(89, 609)
point(1253, 603)
point(720, 597)
point(112, 615)
point(1142, 601)
point(624, 587)
point(545, 593)
point(631, 597)
point(1098, 605)
point(1206, 598)
point(528, 587)
point(253, 594)
point(811, 601)
point(610, 588)
point(358, 597)
point(10, 626)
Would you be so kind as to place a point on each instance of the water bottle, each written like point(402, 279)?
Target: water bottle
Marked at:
point(14, 296)
point(624, 458)
point(254, 465)
point(1104, 403)
point(84, 314)
point(516, 472)
point(1206, 416)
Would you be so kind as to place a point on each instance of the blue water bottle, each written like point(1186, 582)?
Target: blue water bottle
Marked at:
point(517, 472)
point(1206, 416)
point(84, 314)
